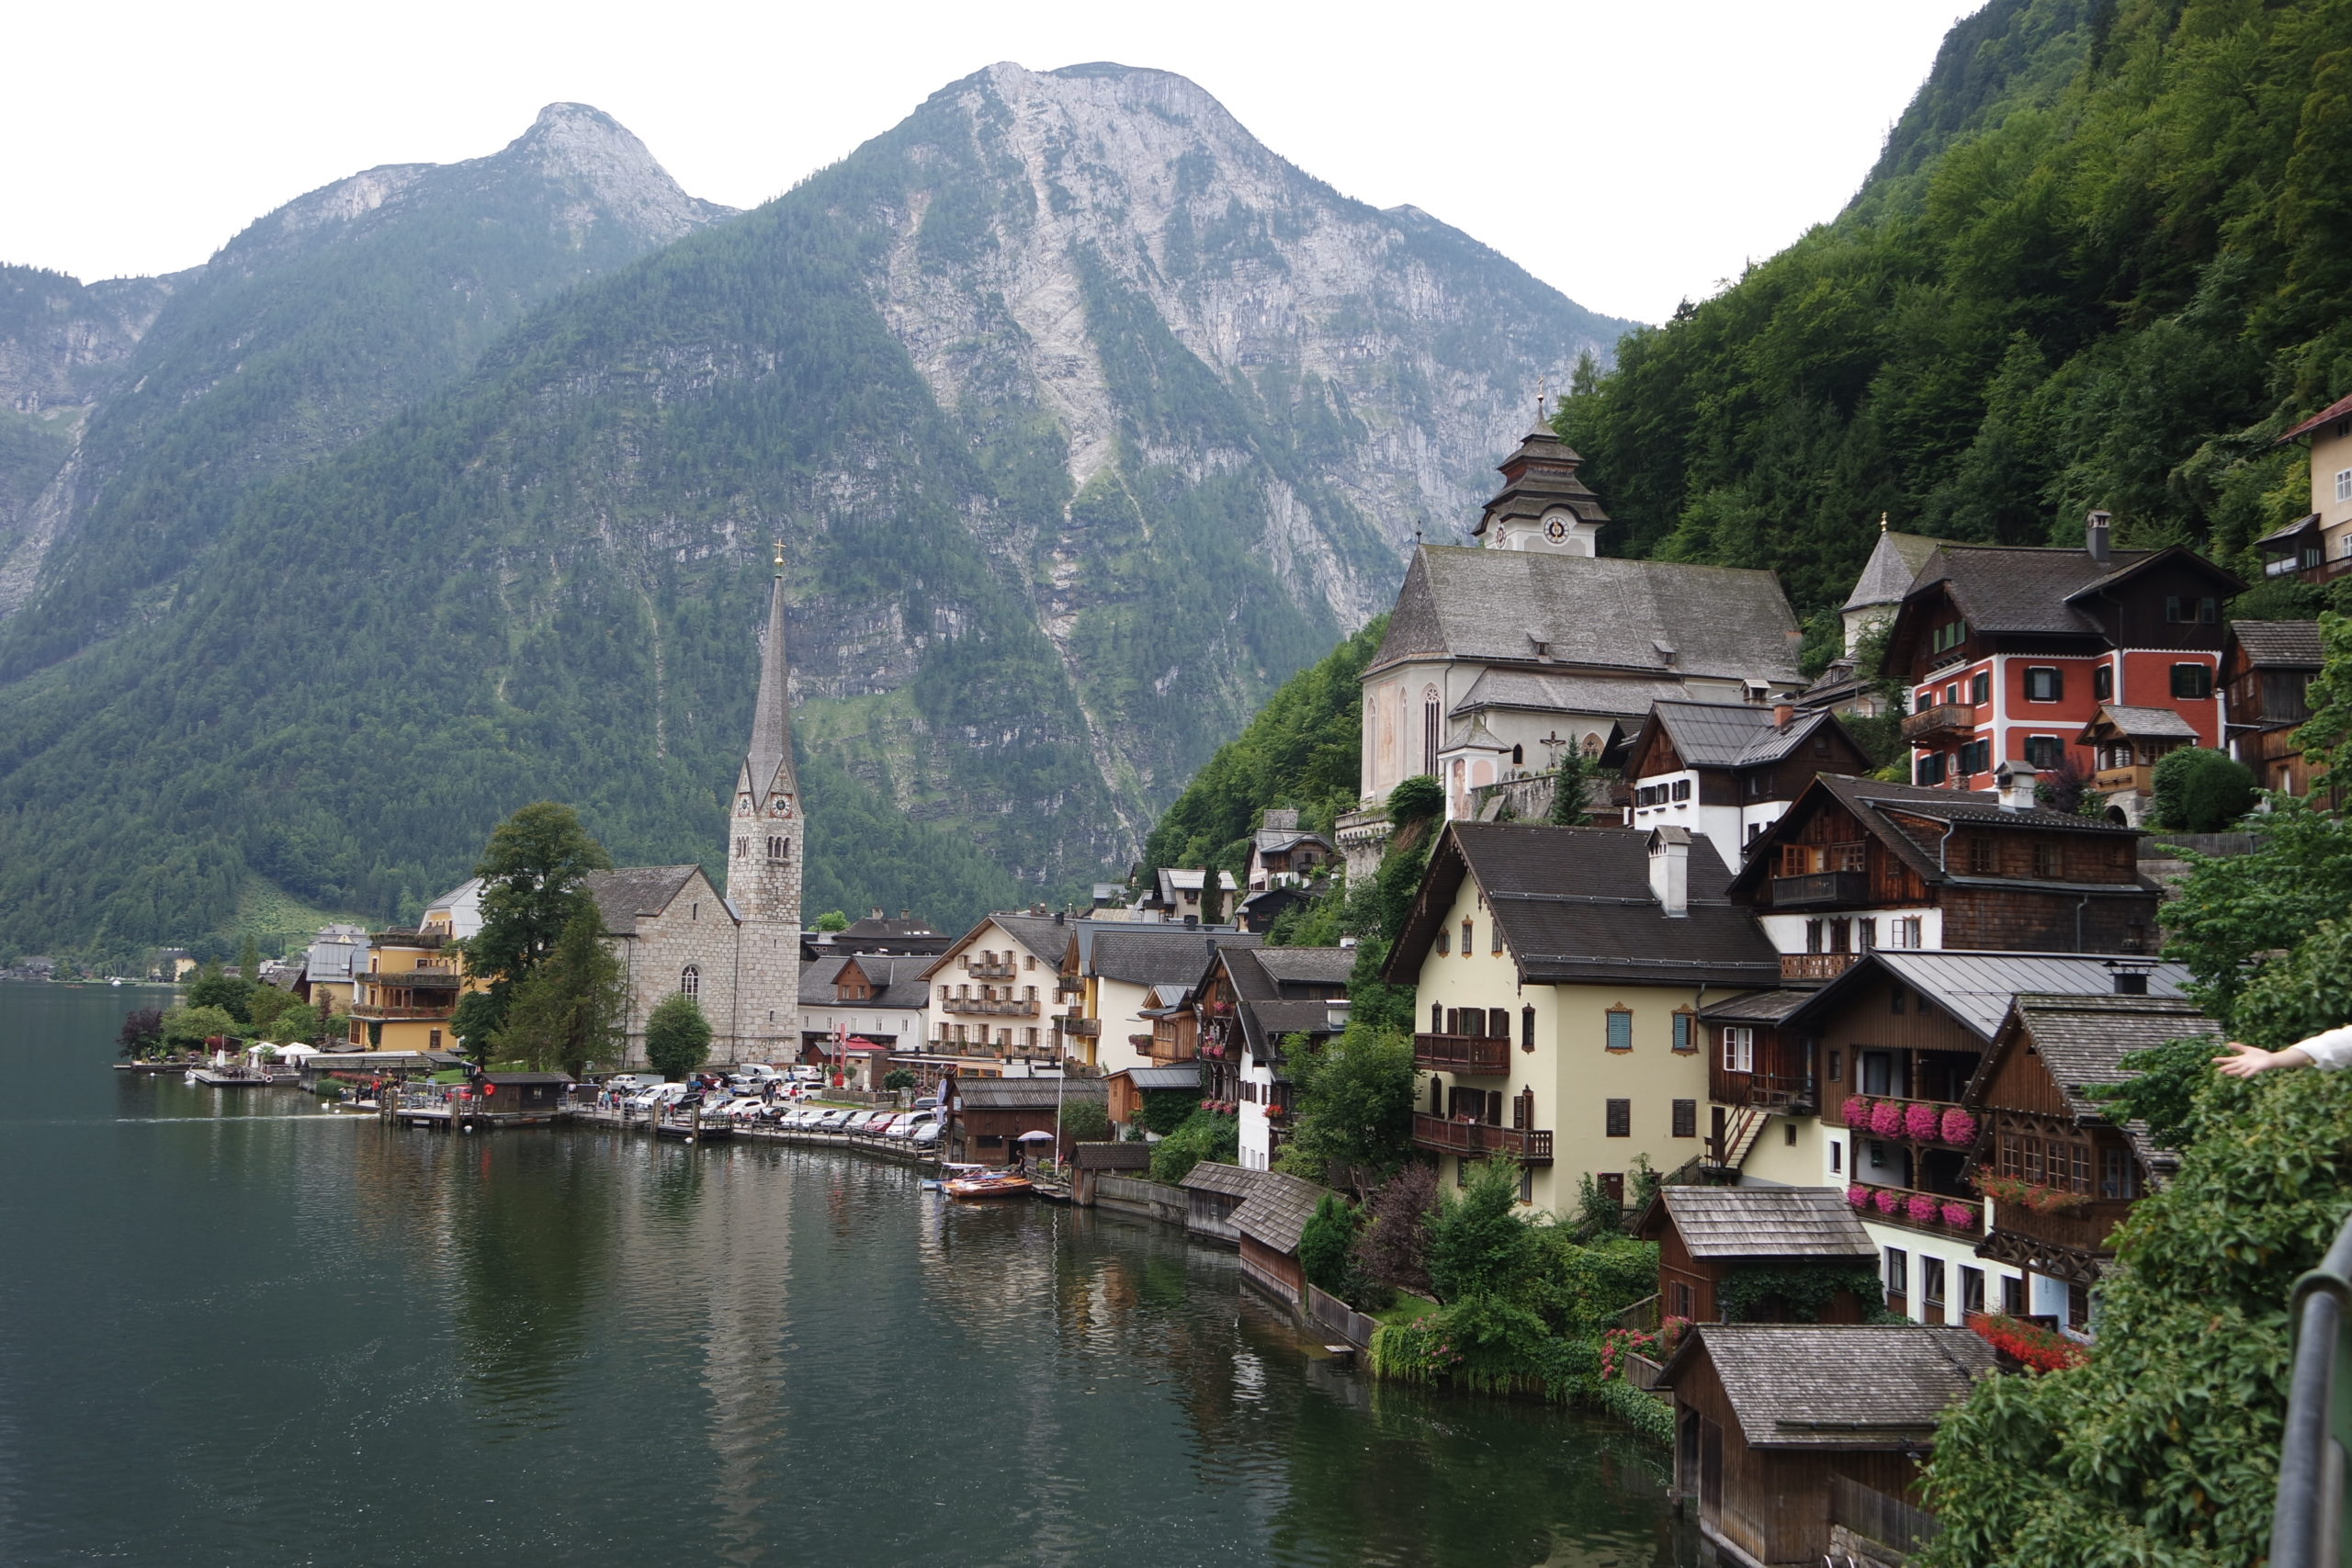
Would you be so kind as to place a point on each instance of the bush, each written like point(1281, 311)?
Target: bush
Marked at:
point(1393, 1249)
point(1477, 1242)
point(1646, 1413)
point(1165, 1109)
point(2199, 790)
point(898, 1079)
point(1085, 1122)
point(1327, 1244)
point(142, 1032)
point(1205, 1135)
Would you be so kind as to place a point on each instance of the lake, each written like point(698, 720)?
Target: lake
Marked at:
point(237, 1329)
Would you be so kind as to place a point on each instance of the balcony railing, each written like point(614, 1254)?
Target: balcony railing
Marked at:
point(2085, 1229)
point(1764, 1089)
point(2119, 780)
point(1447, 1136)
point(1488, 1054)
point(1821, 887)
point(1080, 1028)
point(366, 1014)
point(1912, 1121)
point(995, 1007)
point(1815, 965)
point(990, 968)
point(1944, 719)
point(1894, 1206)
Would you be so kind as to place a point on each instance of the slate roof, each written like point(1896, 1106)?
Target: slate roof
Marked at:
point(1041, 936)
point(1763, 1221)
point(2082, 1041)
point(1602, 612)
point(2292, 645)
point(1804, 1386)
point(2335, 410)
point(2011, 588)
point(900, 980)
point(1110, 1156)
point(1277, 1210)
point(520, 1080)
point(625, 894)
point(1624, 697)
point(1547, 479)
point(1148, 954)
point(1181, 1074)
point(2143, 724)
point(2307, 524)
point(1757, 1007)
point(1731, 735)
point(1976, 989)
point(1230, 1181)
point(884, 926)
point(1574, 904)
point(1026, 1094)
point(1894, 565)
point(1307, 965)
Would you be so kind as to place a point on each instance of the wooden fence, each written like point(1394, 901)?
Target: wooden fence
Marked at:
point(1336, 1316)
point(1874, 1516)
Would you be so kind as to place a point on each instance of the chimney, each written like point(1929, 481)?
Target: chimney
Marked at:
point(1783, 714)
point(877, 911)
point(1059, 917)
point(2095, 535)
point(2130, 979)
point(2014, 781)
point(1671, 870)
point(1192, 921)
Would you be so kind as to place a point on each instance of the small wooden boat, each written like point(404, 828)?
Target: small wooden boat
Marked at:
point(988, 1184)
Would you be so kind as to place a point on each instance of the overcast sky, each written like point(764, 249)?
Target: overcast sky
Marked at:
point(1631, 154)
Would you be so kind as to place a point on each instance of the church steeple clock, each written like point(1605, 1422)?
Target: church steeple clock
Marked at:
point(766, 847)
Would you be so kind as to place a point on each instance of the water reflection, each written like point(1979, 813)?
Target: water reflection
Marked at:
point(329, 1340)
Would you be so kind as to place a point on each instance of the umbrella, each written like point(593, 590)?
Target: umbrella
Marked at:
point(1034, 1138)
point(298, 1049)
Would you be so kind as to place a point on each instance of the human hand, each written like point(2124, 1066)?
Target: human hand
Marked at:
point(2248, 1060)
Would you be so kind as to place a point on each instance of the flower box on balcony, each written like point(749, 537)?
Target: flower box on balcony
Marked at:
point(2030, 1195)
point(1857, 1113)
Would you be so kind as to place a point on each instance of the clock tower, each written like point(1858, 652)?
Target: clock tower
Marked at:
point(1543, 505)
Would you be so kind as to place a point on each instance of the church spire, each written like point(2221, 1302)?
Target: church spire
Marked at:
point(767, 766)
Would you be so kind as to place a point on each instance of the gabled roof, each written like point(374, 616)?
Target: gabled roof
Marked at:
point(1599, 612)
point(1894, 565)
point(635, 892)
point(1882, 808)
point(1147, 954)
point(897, 980)
point(1528, 691)
point(1976, 989)
point(522, 1080)
point(1110, 1156)
point(1026, 1094)
point(1275, 1214)
point(1804, 1386)
point(1180, 1075)
point(2140, 724)
point(2015, 588)
point(2280, 645)
point(1274, 840)
point(2082, 1039)
point(1760, 1222)
point(2335, 410)
point(1574, 905)
point(1041, 936)
point(1230, 1181)
point(2308, 523)
point(882, 926)
point(1307, 965)
point(1730, 735)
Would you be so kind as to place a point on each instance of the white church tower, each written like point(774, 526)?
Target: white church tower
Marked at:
point(1543, 505)
point(767, 849)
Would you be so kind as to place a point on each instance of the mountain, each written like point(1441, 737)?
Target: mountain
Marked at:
point(2102, 264)
point(298, 337)
point(1085, 420)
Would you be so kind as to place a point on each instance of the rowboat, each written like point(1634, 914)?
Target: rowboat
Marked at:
point(988, 1184)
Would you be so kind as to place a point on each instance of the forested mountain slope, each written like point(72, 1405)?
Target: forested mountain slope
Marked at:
point(1085, 421)
point(2107, 259)
point(300, 336)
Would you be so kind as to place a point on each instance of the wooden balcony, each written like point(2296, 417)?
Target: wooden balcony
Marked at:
point(2086, 1229)
point(1953, 720)
point(365, 1013)
point(1080, 1028)
point(1821, 889)
point(1935, 1226)
point(2116, 781)
point(1443, 1136)
point(1815, 965)
point(992, 1006)
point(989, 969)
point(1765, 1090)
point(1485, 1055)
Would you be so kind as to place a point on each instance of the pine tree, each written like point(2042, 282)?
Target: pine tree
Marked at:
point(567, 1011)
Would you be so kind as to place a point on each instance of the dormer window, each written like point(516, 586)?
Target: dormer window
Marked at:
point(1948, 636)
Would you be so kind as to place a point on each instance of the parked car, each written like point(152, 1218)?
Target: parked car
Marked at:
point(880, 1126)
point(927, 1134)
point(830, 1122)
point(928, 1102)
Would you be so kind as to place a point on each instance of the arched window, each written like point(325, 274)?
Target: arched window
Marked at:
point(1591, 747)
point(690, 981)
point(1429, 730)
point(1437, 1018)
point(1518, 756)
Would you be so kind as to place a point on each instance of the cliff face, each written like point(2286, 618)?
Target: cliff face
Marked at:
point(301, 335)
point(1084, 419)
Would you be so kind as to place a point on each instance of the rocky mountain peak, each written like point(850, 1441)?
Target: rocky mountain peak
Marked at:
point(582, 146)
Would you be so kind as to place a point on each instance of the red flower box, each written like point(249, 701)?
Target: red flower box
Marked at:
point(1959, 1216)
point(2039, 1350)
point(1922, 1209)
point(1886, 1119)
point(1859, 1197)
point(1959, 1128)
point(1887, 1200)
point(1857, 1113)
point(1921, 1122)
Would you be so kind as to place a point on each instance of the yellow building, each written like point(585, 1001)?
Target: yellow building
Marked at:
point(1560, 972)
point(404, 988)
point(2317, 546)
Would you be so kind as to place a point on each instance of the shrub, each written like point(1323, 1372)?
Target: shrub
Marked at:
point(1164, 1110)
point(1085, 1122)
point(2199, 790)
point(1327, 1244)
point(1394, 1247)
point(1477, 1242)
point(677, 1037)
point(1205, 1135)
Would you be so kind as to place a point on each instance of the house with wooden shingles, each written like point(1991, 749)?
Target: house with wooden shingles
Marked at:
point(1709, 1237)
point(1787, 1435)
point(1269, 1221)
point(2059, 1172)
point(1251, 1002)
point(1561, 972)
point(2267, 667)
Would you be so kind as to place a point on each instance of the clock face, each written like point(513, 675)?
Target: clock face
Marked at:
point(743, 806)
point(1555, 529)
point(781, 808)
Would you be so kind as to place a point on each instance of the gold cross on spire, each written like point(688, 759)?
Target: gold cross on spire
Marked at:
point(779, 558)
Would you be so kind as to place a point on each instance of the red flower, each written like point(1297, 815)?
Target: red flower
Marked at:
point(1959, 1128)
point(1886, 1119)
point(1857, 1113)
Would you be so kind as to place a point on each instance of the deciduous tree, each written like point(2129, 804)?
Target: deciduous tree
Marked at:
point(677, 1037)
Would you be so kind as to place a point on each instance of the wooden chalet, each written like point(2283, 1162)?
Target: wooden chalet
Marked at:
point(985, 1117)
point(1705, 1234)
point(1787, 1435)
point(1728, 770)
point(2126, 744)
point(1857, 865)
point(1212, 1193)
point(1269, 1221)
point(2044, 1138)
point(2267, 671)
point(527, 1094)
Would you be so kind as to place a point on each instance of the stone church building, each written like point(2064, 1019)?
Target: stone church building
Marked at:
point(736, 953)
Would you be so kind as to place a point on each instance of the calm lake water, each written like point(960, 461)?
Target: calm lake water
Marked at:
point(236, 1330)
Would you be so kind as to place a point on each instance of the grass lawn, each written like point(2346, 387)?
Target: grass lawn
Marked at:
point(1409, 1308)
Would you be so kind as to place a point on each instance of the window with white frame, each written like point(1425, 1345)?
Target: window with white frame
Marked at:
point(1739, 1048)
point(2344, 484)
point(1904, 931)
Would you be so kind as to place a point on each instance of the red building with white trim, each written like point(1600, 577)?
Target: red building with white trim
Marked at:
point(2011, 652)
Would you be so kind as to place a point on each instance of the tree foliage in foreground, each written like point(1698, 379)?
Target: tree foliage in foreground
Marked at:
point(1354, 1109)
point(569, 1009)
point(533, 872)
point(677, 1037)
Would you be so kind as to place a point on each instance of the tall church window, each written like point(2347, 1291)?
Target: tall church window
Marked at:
point(690, 981)
point(1429, 730)
point(743, 849)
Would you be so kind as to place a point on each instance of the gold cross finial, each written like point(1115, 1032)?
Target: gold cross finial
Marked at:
point(1882, 522)
point(1542, 396)
point(779, 558)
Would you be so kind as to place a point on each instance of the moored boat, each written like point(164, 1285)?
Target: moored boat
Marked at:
point(988, 1184)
